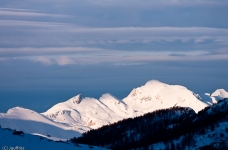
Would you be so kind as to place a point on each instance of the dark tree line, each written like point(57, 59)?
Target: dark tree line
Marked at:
point(158, 126)
point(136, 132)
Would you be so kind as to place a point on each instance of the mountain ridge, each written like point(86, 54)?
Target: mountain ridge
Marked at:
point(80, 114)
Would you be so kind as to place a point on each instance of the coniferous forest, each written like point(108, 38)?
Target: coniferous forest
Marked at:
point(159, 126)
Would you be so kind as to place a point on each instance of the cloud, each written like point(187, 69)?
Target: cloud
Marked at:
point(44, 60)
point(33, 51)
point(145, 3)
point(64, 43)
point(177, 54)
point(66, 35)
point(124, 58)
point(70, 40)
point(35, 24)
point(203, 39)
point(136, 58)
point(26, 13)
point(110, 13)
point(127, 64)
point(132, 2)
point(220, 51)
point(64, 60)
point(165, 58)
point(190, 53)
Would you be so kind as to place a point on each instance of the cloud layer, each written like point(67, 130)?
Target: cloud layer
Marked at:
point(86, 45)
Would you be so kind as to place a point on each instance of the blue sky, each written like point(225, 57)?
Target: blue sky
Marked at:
point(51, 51)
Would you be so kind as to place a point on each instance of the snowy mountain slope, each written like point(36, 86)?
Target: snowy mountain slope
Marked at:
point(175, 128)
point(32, 122)
point(211, 139)
point(213, 134)
point(89, 112)
point(26, 142)
point(219, 94)
point(67, 119)
point(155, 95)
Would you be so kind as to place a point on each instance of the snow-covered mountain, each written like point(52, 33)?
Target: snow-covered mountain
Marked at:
point(77, 115)
point(155, 95)
point(89, 112)
point(219, 94)
point(32, 122)
point(68, 119)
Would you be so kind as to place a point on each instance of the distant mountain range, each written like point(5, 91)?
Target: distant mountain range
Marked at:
point(78, 115)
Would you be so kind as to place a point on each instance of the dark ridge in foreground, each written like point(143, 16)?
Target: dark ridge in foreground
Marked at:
point(137, 132)
point(159, 126)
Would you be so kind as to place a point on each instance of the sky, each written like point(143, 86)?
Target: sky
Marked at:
point(53, 50)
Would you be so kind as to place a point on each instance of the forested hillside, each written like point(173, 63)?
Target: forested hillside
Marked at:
point(175, 127)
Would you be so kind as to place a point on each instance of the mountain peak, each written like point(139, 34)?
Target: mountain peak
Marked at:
point(16, 110)
point(109, 99)
point(108, 96)
point(76, 99)
point(154, 82)
point(156, 95)
point(220, 93)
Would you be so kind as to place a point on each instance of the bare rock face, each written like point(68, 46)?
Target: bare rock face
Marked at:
point(77, 99)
